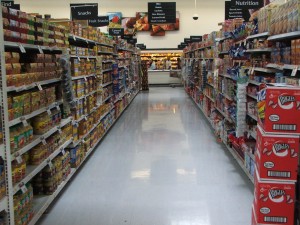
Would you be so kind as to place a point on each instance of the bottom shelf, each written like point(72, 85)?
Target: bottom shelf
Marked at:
point(233, 153)
point(41, 203)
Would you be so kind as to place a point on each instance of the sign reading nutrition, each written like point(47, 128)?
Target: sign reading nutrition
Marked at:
point(162, 12)
point(116, 31)
point(99, 21)
point(84, 11)
point(247, 4)
point(235, 12)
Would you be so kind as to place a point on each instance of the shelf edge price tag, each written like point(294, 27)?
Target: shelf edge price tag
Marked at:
point(85, 79)
point(24, 121)
point(87, 58)
point(63, 151)
point(85, 118)
point(39, 86)
point(78, 58)
point(21, 47)
point(40, 49)
point(49, 111)
point(57, 107)
point(74, 38)
point(23, 188)
point(43, 140)
point(59, 131)
point(50, 164)
point(19, 159)
point(252, 70)
point(294, 72)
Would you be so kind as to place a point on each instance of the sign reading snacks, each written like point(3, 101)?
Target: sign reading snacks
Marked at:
point(196, 38)
point(162, 12)
point(10, 4)
point(116, 31)
point(235, 12)
point(247, 4)
point(84, 11)
point(99, 21)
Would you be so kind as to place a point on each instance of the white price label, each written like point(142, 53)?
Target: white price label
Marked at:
point(39, 86)
point(19, 159)
point(85, 78)
point(21, 47)
point(24, 121)
point(50, 164)
point(21, 88)
point(49, 112)
point(88, 59)
point(59, 131)
point(245, 42)
point(40, 49)
point(78, 58)
point(294, 72)
point(43, 140)
point(24, 189)
point(63, 151)
point(252, 70)
point(58, 108)
point(85, 118)
point(74, 38)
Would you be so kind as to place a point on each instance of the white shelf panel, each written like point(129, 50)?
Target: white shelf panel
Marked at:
point(285, 36)
point(240, 162)
point(31, 47)
point(252, 116)
point(224, 115)
point(108, 61)
point(258, 50)
point(107, 70)
point(106, 84)
point(252, 134)
point(85, 96)
point(275, 66)
point(224, 53)
point(33, 170)
point(107, 98)
point(265, 34)
point(210, 85)
point(227, 76)
point(210, 98)
point(78, 38)
point(33, 114)
point(83, 76)
point(31, 86)
point(254, 82)
point(227, 96)
point(38, 138)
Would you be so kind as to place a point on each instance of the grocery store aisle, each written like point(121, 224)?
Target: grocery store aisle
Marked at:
point(159, 165)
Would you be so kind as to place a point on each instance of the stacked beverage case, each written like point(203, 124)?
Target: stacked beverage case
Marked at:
point(276, 155)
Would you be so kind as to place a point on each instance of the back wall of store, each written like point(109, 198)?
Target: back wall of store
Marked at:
point(210, 14)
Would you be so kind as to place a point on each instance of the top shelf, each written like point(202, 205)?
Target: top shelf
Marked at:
point(251, 37)
point(75, 38)
point(18, 45)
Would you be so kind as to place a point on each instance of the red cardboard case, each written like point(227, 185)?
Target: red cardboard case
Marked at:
point(274, 202)
point(276, 156)
point(279, 109)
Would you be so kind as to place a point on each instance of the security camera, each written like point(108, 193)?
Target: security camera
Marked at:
point(195, 16)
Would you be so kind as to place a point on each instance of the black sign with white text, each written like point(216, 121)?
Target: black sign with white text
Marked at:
point(10, 4)
point(84, 12)
point(196, 38)
point(187, 40)
point(234, 12)
point(247, 4)
point(132, 41)
point(183, 44)
point(99, 21)
point(116, 31)
point(127, 36)
point(162, 12)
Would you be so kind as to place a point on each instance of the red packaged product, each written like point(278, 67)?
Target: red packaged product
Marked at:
point(274, 202)
point(278, 108)
point(276, 156)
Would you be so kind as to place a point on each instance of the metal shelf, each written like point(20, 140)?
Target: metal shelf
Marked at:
point(76, 38)
point(8, 44)
point(252, 134)
point(33, 114)
point(251, 37)
point(109, 97)
point(107, 70)
point(254, 82)
point(258, 50)
point(105, 45)
point(83, 57)
point(85, 96)
point(227, 76)
point(105, 53)
point(33, 170)
point(252, 116)
point(33, 85)
point(108, 61)
point(227, 96)
point(38, 138)
point(252, 96)
point(283, 66)
point(209, 46)
point(124, 49)
point(2, 151)
point(264, 70)
point(240, 162)
point(106, 84)
point(285, 36)
point(210, 98)
point(210, 85)
point(224, 53)
point(83, 76)
point(224, 115)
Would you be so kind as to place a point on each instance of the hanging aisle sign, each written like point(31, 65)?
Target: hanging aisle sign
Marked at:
point(196, 38)
point(99, 21)
point(10, 4)
point(162, 12)
point(235, 12)
point(247, 4)
point(84, 11)
point(116, 31)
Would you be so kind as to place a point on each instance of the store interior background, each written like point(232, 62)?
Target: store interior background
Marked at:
point(210, 12)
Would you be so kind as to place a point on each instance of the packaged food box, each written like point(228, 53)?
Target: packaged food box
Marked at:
point(278, 106)
point(274, 202)
point(276, 156)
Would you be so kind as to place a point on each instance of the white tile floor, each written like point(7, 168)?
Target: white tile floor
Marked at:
point(159, 165)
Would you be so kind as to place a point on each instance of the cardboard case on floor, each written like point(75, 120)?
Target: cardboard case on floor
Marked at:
point(274, 202)
point(279, 108)
point(276, 156)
